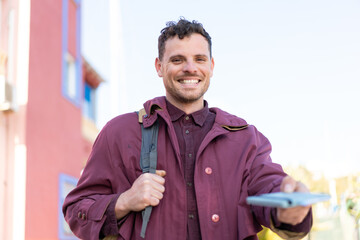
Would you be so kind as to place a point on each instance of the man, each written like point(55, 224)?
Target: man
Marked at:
point(208, 163)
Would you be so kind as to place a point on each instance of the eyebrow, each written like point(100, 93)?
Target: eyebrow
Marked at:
point(182, 56)
point(176, 56)
point(201, 55)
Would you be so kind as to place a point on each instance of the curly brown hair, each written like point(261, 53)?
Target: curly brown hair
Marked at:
point(182, 28)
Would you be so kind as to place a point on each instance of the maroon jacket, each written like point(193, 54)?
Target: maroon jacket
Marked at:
point(233, 162)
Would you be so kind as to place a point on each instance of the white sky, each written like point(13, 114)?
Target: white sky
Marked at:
point(289, 67)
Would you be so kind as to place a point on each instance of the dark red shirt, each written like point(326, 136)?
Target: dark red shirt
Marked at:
point(190, 131)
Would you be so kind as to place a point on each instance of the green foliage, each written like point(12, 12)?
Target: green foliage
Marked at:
point(353, 206)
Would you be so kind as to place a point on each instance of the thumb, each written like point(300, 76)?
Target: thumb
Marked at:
point(161, 173)
point(288, 184)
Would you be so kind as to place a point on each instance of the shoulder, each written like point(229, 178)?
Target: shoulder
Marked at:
point(237, 125)
point(120, 127)
point(127, 118)
point(225, 118)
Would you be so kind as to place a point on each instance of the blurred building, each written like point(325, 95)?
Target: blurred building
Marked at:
point(47, 114)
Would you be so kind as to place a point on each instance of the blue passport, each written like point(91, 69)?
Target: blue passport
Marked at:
point(287, 200)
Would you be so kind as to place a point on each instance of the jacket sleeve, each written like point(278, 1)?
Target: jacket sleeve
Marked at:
point(265, 177)
point(86, 208)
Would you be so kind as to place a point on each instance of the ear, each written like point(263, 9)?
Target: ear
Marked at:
point(158, 67)
point(212, 66)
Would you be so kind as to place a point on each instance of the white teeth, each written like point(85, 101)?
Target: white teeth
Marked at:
point(189, 81)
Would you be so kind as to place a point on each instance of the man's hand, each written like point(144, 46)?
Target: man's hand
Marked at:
point(147, 190)
point(293, 215)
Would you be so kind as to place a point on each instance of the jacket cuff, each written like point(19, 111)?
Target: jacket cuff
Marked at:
point(110, 226)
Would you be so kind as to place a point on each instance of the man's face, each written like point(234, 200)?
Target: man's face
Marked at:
point(186, 69)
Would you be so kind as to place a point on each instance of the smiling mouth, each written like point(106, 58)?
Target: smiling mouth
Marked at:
point(189, 81)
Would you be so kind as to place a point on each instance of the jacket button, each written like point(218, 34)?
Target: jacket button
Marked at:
point(215, 218)
point(208, 170)
point(83, 217)
point(79, 214)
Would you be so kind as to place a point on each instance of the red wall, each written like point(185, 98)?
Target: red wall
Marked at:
point(54, 141)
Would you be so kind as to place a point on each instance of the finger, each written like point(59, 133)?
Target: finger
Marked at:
point(153, 182)
point(158, 187)
point(161, 173)
point(154, 201)
point(151, 177)
point(158, 180)
point(288, 184)
point(157, 195)
point(153, 198)
point(300, 187)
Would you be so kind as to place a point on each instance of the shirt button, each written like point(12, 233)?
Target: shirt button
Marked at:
point(189, 184)
point(190, 155)
point(187, 131)
point(215, 218)
point(191, 216)
point(208, 170)
point(187, 118)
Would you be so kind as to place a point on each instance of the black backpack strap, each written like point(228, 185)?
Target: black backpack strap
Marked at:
point(148, 160)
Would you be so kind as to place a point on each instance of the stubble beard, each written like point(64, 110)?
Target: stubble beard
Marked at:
point(184, 97)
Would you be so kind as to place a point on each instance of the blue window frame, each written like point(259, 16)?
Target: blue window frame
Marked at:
point(66, 184)
point(71, 65)
point(89, 107)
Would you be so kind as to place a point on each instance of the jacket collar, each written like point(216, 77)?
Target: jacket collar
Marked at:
point(223, 119)
point(152, 107)
point(198, 116)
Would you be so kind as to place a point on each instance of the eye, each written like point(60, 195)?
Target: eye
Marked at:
point(201, 59)
point(176, 60)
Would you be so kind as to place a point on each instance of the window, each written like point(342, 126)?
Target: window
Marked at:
point(89, 104)
point(71, 59)
point(92, 80)
point(66, 184)
point(70, 83)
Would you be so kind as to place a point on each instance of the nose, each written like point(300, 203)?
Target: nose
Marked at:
point(190, 67)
